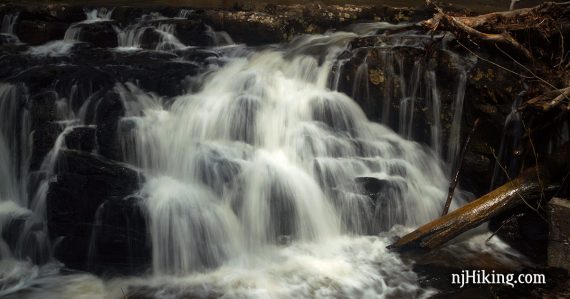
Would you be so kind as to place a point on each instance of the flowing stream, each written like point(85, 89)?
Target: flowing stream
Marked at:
point(252, 175)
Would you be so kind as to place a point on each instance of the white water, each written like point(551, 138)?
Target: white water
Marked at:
point(73, 33)
point(269, 159)
point(251, 188)
point(8, 22)
point(132, 36)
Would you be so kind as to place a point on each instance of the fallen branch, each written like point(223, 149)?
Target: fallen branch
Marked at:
point(462, 31)
point(509, 195)
point(519, 19)
point(453, 183)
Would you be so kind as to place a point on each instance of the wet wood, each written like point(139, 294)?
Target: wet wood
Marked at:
point(524, 189)
point(549, 100)
point(493, 28)
point(519, 19)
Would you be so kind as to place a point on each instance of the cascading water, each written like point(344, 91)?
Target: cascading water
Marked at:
point(73, 33)
point(132, 36)
point(257, 183)
point(409, 80)
point(8, 22)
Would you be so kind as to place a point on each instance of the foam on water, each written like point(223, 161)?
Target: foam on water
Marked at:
point(272, 156)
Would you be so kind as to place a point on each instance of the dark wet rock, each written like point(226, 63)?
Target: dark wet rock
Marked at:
point(58, 13)
point(8, 39)
point(37, 25)
point(44, 138)
point(150, 38)
point(198, 55)
point(100, 34)
point(524, 230)
point(154, 71)
point(74, 82)
point(107, 116)
point(83, 183)
point(81, 139)
point(377, 77)
point(42, 108)
point(119, 244)
point(189, 32)
point(37, 32)
point(12, 230)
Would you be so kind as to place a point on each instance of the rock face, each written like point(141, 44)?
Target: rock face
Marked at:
point(99, 34)
point(559, 238)
point(524, 230)
point(88, 193)
point(81, 139)
point(109, 111)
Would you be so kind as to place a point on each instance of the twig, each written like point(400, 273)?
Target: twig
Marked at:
point(498, 229)
point(536, 163)
point(453, 183)
point(510, 180)
point(493, 63)
point(530, 71)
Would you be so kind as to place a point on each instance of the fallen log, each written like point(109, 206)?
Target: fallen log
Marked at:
point(529, 185)
point(493, 29)
point(519, 19)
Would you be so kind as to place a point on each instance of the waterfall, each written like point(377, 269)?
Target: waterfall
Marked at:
point(8, 22)
point(510, 139)
point(132, 36)
point(277, 153)
point(454, 145)
point(73, 33)
point(261, 178)
point(14, 150)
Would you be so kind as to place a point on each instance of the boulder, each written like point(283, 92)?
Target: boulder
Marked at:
point(7, 39)
point(119, 243)
point(109, 110)
point(57, 13)
point(99, 34)
point(83, 183)
point(189, 32)
point(45, 130)
point(155, 71)
point(81, 139)
point(559, 238)
point(38, 32)
point(43, 107)
point(43, 138)
point(524, 230)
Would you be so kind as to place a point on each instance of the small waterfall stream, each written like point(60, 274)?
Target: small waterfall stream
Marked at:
point(256, 176)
